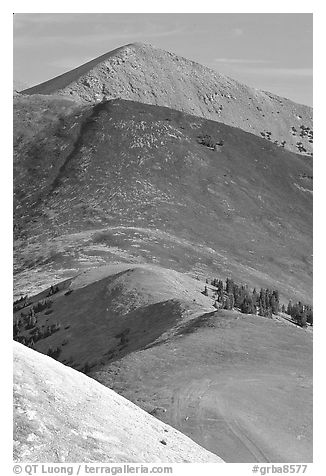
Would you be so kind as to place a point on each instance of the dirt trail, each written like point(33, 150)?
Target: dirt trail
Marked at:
point(203, 404)
point(239, 386)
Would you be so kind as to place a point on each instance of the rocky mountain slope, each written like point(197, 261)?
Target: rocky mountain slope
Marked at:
point(124, 181)
point(142, 73)
point(49, 400)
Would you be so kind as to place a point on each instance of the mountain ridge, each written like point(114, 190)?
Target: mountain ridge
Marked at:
point(145, 167)
point(140, 72)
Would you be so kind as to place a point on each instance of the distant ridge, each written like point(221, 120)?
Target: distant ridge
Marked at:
point(134, 165)
point(142, 73)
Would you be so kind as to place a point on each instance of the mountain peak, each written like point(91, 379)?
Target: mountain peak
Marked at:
point(140, 72)
point(140, 44)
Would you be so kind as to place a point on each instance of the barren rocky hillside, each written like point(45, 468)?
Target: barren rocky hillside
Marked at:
point(139, 72)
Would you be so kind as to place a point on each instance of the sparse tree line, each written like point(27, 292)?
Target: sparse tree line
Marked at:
point(264, 302)
point(53, 290)
point(209, 142)
point(305, 131)
point(21, 303)
point(24, 302)
point(36, 335)
point(231, 295)
point(28, 321)
point(300, 313)
point(268, 135)
point(38, 307)
point(21, 299)
point(304, 175)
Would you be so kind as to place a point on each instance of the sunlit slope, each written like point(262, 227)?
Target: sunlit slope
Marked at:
point(60, 415)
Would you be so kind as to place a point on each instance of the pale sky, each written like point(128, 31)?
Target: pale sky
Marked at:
point(269, 51)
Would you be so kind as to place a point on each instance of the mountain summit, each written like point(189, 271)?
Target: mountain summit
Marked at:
point(142, 73)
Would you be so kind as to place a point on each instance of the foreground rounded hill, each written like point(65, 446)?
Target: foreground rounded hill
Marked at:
point(49, 401)
point(109, 311)
point(140, 72)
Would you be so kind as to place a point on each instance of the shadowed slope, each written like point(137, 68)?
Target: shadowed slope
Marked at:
point(110, 311)
point(49, 401)
point(149, 75)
